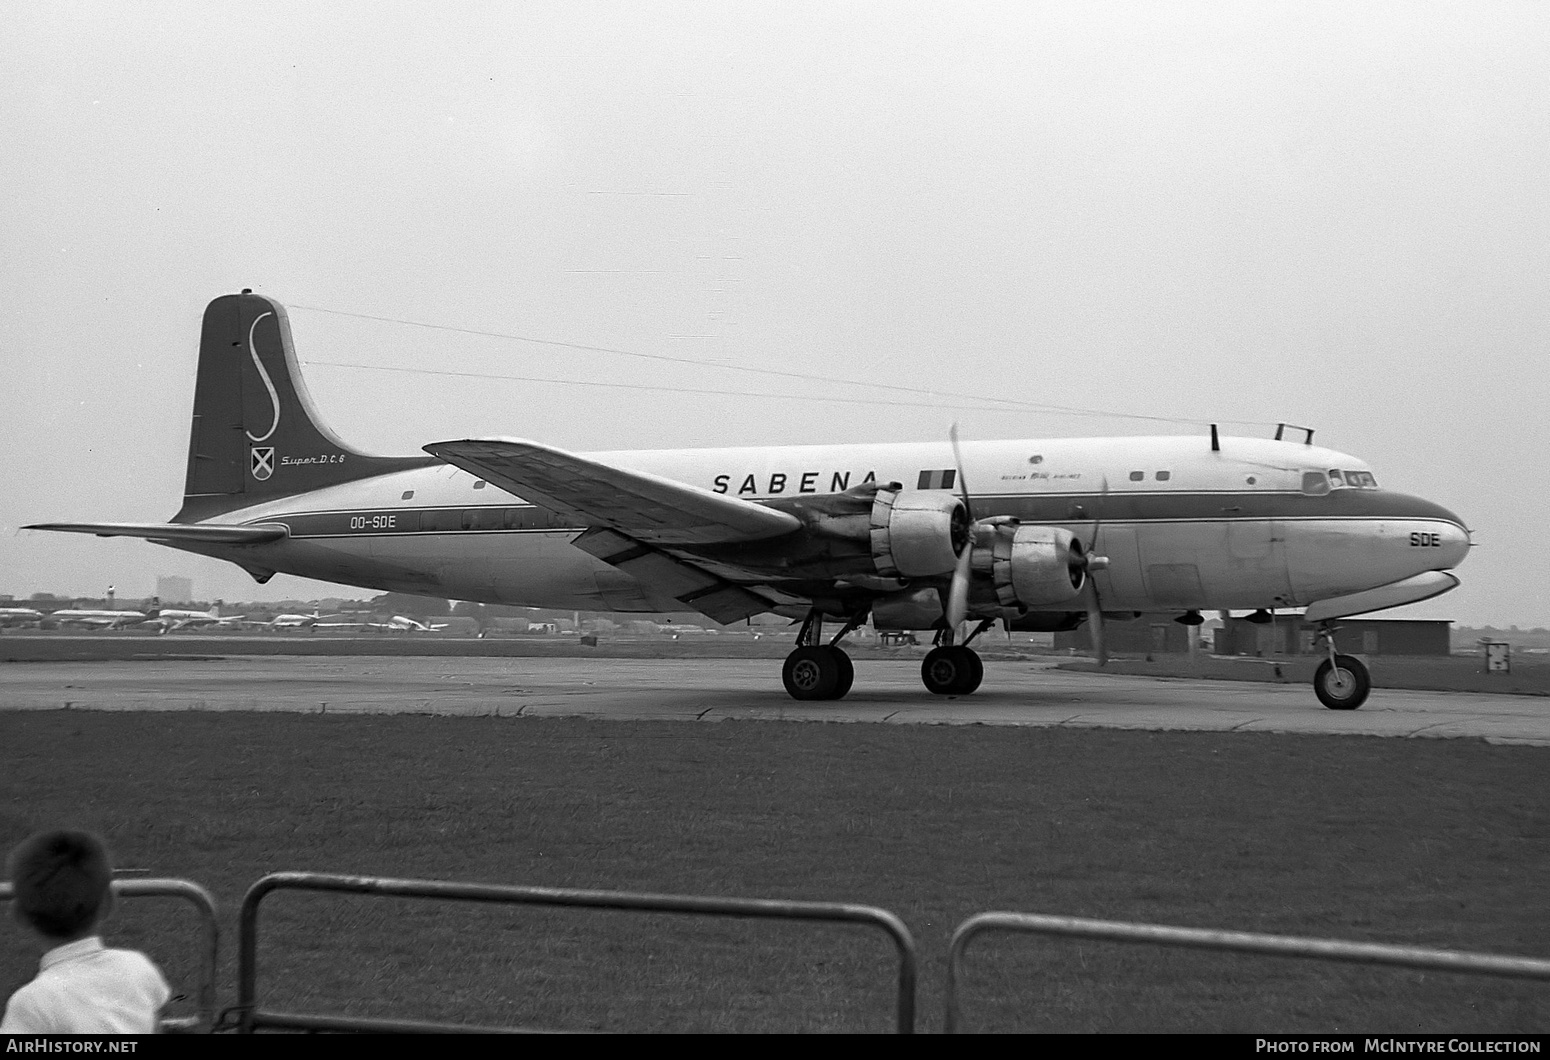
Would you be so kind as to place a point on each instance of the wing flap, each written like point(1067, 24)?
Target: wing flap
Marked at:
point(647, 507)
point(202, 533)
point(689, 585)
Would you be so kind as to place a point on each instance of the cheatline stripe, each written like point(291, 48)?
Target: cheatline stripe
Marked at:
point(1044, 508)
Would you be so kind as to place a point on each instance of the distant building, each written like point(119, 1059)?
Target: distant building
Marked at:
point(1158, 634)
point(1290, 635)
point(1151, 634)
point(174, 590)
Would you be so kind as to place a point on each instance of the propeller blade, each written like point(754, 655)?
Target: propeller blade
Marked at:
point(963, 483)
point(1095, 624)
point(958, 590)
point(1096, 562)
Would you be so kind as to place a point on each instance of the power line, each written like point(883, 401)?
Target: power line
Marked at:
point(984, 403)
point(668, 389)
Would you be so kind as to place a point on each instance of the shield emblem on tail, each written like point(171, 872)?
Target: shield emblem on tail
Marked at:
point(262, 461)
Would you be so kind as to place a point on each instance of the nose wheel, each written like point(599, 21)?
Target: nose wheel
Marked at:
point(1342, 682)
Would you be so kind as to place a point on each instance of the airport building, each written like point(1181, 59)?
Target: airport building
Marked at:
point(1159, 634)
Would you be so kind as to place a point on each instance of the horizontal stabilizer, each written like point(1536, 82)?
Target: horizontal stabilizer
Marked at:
point(1395, 594)
point(203, 533)
point(647, 507)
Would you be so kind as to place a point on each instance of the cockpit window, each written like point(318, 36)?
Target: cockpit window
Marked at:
point(1315, 483)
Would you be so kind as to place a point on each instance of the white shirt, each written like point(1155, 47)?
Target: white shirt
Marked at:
point(84, 988)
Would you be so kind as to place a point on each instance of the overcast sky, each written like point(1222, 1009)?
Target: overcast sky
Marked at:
point(1332, 214)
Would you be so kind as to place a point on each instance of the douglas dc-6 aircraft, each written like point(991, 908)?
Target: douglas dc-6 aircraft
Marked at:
point(1056, 532)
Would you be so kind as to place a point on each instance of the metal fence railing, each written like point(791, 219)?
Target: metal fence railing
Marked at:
point(1459, 961)
point(209, 949)
point(249, 1017)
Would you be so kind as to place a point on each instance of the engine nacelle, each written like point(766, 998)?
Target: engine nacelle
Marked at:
point(917, 533)
point(1036, 566)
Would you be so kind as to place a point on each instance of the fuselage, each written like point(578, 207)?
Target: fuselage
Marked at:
point(1257, 523)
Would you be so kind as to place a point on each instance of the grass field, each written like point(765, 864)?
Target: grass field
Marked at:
point(1430, 842)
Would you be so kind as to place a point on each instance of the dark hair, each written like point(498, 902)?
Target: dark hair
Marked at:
point(61, 882)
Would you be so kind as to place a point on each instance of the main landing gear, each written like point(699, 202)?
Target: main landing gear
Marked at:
point(816, 670)
point(953, 669)
point(1341, 681)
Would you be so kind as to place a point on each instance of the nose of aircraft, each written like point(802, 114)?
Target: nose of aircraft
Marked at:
point(1451, 544)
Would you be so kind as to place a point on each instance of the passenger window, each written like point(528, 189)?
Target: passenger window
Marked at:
point(1137, 476)
point(479, 484)
point(1164, 476)
point(1315, 483)
point(407, 495)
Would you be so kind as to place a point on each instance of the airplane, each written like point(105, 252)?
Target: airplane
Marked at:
point(367, 624)
point(405, 624)
point(293, 621)
point(20, 616)
point(94, 618)
point(1039, 535)
point(172, 618)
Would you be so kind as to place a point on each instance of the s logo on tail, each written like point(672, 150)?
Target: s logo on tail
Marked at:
point(274, 399)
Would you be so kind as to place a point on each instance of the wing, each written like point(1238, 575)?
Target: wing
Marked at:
point(646, 507)
point(200, 532)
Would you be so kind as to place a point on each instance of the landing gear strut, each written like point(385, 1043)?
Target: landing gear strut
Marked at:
point(1341, 681)
point(953, 669)
point(816, 670)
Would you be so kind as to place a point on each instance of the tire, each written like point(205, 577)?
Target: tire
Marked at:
point(976, 671)
point(951, 671)
point(1344, 685)
point(811, 673)
point(847, 673)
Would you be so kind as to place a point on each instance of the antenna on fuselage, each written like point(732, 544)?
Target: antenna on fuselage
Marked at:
point(1307, 432)
point(1216, 443)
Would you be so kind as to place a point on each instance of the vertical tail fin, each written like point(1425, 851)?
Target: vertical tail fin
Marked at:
point(256, 434)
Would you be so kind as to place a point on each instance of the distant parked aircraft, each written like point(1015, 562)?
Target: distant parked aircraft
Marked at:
point(172, 618)
point(294, 621)
point(94, 618)
point(20, 617)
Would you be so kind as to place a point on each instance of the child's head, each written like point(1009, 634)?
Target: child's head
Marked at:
point(62, 883)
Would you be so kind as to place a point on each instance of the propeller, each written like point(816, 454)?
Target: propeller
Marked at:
point(1096, 562)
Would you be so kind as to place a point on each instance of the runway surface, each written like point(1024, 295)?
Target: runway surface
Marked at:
point(1014, 693)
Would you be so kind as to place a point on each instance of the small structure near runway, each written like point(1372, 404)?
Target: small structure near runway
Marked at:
point(1159, 634)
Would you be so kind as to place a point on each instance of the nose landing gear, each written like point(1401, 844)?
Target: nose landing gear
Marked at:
point(1341, 681)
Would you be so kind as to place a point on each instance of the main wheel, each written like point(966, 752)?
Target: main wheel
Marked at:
point(1343, 685)
point(951, 671)
point(847, 673)
point(812, 673)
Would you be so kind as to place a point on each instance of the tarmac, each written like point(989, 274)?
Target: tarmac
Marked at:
point(886, 692)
